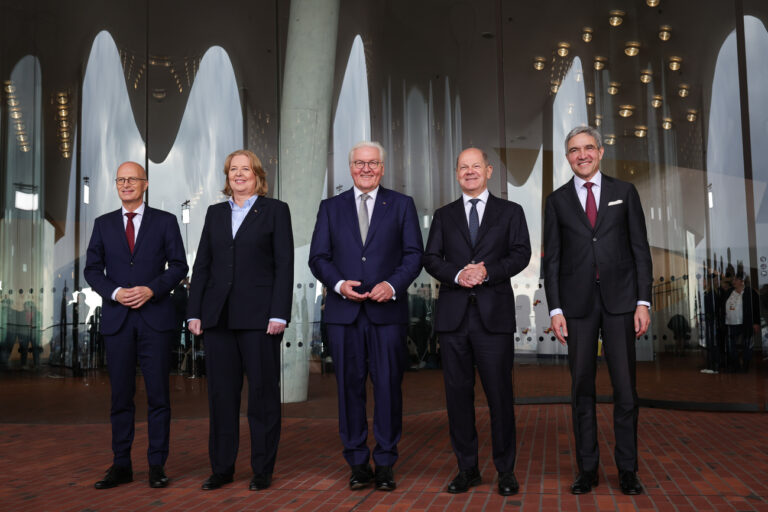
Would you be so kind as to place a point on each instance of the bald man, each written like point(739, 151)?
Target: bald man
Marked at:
point(135, 258)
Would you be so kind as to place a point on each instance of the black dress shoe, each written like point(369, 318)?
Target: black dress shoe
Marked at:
point(215, 481)
point(260, 482)
point(157, 477)
point(115, 476)
point(584, 482)
point(508, 485)
point(362, 474)
point(629, 483)
point(464, 480)
point(385, 478)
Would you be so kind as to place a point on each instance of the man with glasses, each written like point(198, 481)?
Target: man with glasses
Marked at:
point(135, 258)
point(367, 248)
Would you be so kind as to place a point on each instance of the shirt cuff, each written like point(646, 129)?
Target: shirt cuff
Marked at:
point(456, 279)
point(337, 288)
point(114, 293)
point(644, 303)
point(394, 293)
point(278, 320)
point(556, 311)
point(190, 319)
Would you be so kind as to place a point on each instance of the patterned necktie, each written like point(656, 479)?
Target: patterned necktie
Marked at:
point(362, 216)
point(130, 231)
point(474, 221)
point(591, 206)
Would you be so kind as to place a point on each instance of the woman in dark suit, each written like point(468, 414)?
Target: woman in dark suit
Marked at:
point(240, 296)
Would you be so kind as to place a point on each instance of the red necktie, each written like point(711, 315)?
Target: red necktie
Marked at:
point(130, 232)
point(591, 205)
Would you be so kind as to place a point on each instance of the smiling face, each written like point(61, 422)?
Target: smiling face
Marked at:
point(584, 155)
point(132, 194)
point(473, 172)
point(366, 179)
point(241, 178)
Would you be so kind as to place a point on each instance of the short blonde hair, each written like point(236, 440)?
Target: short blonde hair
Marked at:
point(261, 175)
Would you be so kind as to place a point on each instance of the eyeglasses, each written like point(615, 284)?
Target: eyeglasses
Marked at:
point(130, 181)
point(372, 165)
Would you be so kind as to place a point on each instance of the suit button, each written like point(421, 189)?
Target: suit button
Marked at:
point(594, 239)
point(131, 263)
point(363, 258)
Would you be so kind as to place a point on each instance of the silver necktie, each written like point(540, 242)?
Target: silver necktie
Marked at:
point(362, 216)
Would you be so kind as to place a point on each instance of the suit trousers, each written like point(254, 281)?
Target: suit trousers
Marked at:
point(229, 352)
point(618, 334)
point(358, 349)
point(137, 341)
point(494, 355)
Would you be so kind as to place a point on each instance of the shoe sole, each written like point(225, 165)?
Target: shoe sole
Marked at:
point(385, 487)
point(359, 485)
point(585, 492)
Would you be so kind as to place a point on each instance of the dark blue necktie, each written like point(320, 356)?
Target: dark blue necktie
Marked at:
point(474, 221)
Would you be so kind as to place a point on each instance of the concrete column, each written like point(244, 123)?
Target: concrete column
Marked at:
point(305, 124)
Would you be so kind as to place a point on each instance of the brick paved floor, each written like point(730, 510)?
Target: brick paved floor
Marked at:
point(689, 461)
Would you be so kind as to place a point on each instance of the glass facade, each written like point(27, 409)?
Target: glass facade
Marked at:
point(675, 88)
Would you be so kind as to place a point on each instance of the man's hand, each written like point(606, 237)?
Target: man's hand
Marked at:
point(274, 327)
point(560, 328)
point(134, 297)
point(472, 275)
point(194, 327)
point(349, 293)
point(382, 292)
point(642, 320)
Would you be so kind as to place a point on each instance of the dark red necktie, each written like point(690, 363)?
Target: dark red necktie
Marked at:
point(130, 231)
point(591, 205)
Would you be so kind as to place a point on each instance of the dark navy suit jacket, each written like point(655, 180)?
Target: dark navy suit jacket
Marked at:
point(110, 264)
point(392, 253)
point(251, 274)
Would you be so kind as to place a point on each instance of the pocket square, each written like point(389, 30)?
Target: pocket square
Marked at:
point(613, 203)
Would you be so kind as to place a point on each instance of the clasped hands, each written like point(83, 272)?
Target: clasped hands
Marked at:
point(472, 275)
point(134, 297)
point(382, 292)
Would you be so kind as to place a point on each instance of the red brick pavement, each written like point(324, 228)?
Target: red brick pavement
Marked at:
point(689, 461)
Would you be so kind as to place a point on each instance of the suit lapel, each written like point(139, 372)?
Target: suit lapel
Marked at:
point(573, 198)
point(257, 208)
point(349, 212)
point(459, 218)
point(119, 227)
point(380, 211)
point(605, 195)
point(488, 217)
point(146, 224)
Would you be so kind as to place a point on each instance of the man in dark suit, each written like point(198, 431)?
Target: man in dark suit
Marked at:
point(475, 245)
point(126, 264)
point(366, 248)
point(597, 267)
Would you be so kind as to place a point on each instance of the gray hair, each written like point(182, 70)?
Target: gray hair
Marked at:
point(368, 144)
point(592, 132)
